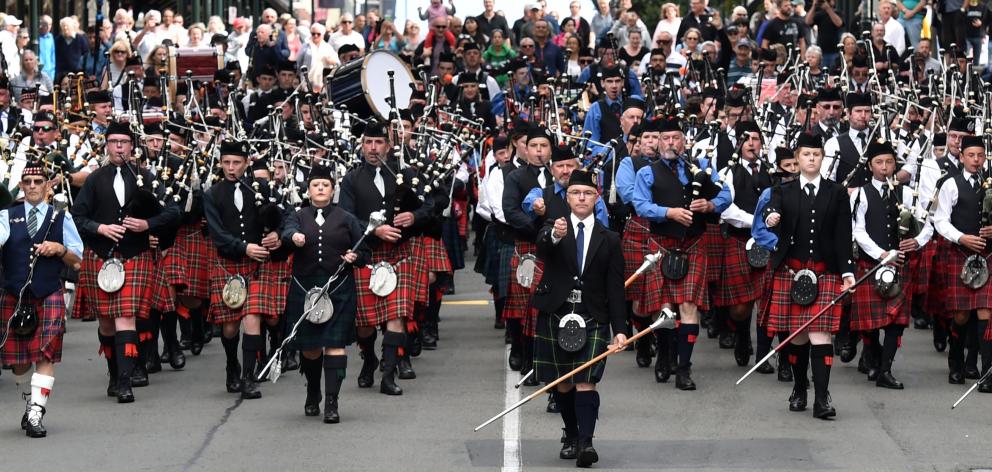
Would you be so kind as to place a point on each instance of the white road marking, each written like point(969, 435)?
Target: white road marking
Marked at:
point(511, 422)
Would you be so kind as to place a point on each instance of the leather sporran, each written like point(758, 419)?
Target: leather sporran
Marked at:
point(24, 321)
point(526, 269)
point(383, 280)
point(887, 283)
point(975, 273)
point(757, 256)
point(571, 332)
point(675, 264)
point(805, 288)
point(318, 306)
point(111, 276)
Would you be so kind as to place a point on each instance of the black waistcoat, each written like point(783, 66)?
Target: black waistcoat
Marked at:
point(966, 214)
point(609, 124)
point(849, 158)
point(668, 191)
point(803, 246)
point(321, 255)
point(881, 219)
point(748, 188)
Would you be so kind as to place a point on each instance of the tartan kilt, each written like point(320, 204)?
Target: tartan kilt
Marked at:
point(939, 248)
point(637, 243)
point(374, 310)
point(46, 342)
point(551, 361)
point(691, 288)
point(430, 256)
point(490, 257)
point(162, 300)
point(133, 299)
point(785, 316)
point(518, 297)
point(338, 332)
point(714, 246)
point(869, 311)
point(503, 264)
point(957, 297)
point(764, 297)
point(267, 286)
point(188, 263)
point(452, 238)
point(924, 268)
point(738, 280)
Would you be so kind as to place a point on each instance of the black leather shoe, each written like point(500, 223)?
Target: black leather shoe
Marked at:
point(530, 381)
point(249, 389)
point(416, 345)
point(886, 380)
point(515, 360)
point(499, 324)
point(712, 330)
point(196, 347)
point(369, 365)
point(847, 351)
point(405, 369)
point(742, 351)
point(331, 415)
point(507, 338)
point(184, 343)
point(233, 378)
point(784, 370)
point(971, 372)
point(765, 368)
point(822, 409)
point(311, 407)
point(139, 377)
point(164, 357)
point(797, 401)
point(955, 377)
point(921, 323)
point(154, 364)
point(728, 339)
point(568, 448)
point(124, 392)
point(388, 386)
point(430, 337)
point(176, 358)
point(863, 364)
point(34, 428)
point(112, 387)
point(683, 381)
point(552, 403)
point(585, 454)
point(939, 338)
point(662, 367)
point(985, 387)
point(643, 357)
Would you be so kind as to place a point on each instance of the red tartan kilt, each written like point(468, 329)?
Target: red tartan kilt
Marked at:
point(162, 299)
point(939, 248)
point(430, 256)
point(692, 288)
point(714, 246)
point(869, 311)
point(764, 301)
point(738, 281)
point(46, 343)
point(518, 299)
point(133, 299)
point(268, 283)
point(188, 263)
point(649, 300)
point(924, 268)
point(374, 310)
point(637, 243)
point(785, 316)
point(957, 297)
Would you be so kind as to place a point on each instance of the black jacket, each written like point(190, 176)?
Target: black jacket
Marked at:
point(832, 223)
point(602, 280)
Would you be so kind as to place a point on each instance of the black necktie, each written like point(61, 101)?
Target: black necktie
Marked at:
point(754, 168)
point(861, 139)
point(580, 239)
point(885, 193)
point(810, 192)
point(974, 182)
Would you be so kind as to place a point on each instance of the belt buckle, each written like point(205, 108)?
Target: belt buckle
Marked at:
point(575, 296)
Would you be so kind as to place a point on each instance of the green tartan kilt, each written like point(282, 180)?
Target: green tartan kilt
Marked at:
point(339, 331)
point(551, 361)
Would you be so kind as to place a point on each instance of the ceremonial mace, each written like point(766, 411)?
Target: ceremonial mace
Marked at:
point(972, 389)
point(891, 257)
point(666, 316)
point(650, 261)
point(273, 368)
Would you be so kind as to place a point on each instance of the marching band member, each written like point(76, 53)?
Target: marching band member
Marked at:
point(37, 240)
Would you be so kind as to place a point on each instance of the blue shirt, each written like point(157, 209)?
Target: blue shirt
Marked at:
point(537, 192)
point(46, 53)
point(624, 180)
point(70, 236)
point(759, 231)
point(644, 204)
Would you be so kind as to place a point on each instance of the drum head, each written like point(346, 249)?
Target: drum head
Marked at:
point(317, 305)
point(383, 279)
point(235, 292)
point(111, 275)
point(375, 82)
point(526, 269)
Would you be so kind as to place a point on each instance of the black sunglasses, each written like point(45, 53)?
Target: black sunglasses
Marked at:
point(43, 128)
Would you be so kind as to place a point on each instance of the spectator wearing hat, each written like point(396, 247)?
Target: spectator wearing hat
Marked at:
point(740, 66)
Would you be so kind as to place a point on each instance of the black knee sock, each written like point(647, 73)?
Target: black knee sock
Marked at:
point(252, 347)
point(566, 406)
point(763, 344)
point(499, 303)
point(664, 337)
point(311, 369)
point(872, 348)
point(154, 326)
point(230, 349)
point(798, 357)
point(586, 413)
point(984, 345)
point(108, 351)
point(971, 360)
point(196, 332)
point(334, 373)
point(821, 357)
point(168, 328)
point(743, 329)
point(126, 352)
point(893, 338)
point(391, 343)
point(955, 351)
point(367, 344)
point(687, 340)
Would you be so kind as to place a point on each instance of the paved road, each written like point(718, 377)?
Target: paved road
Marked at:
point(186, 421)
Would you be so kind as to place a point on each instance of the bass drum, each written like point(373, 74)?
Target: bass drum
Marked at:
point(362, 85)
